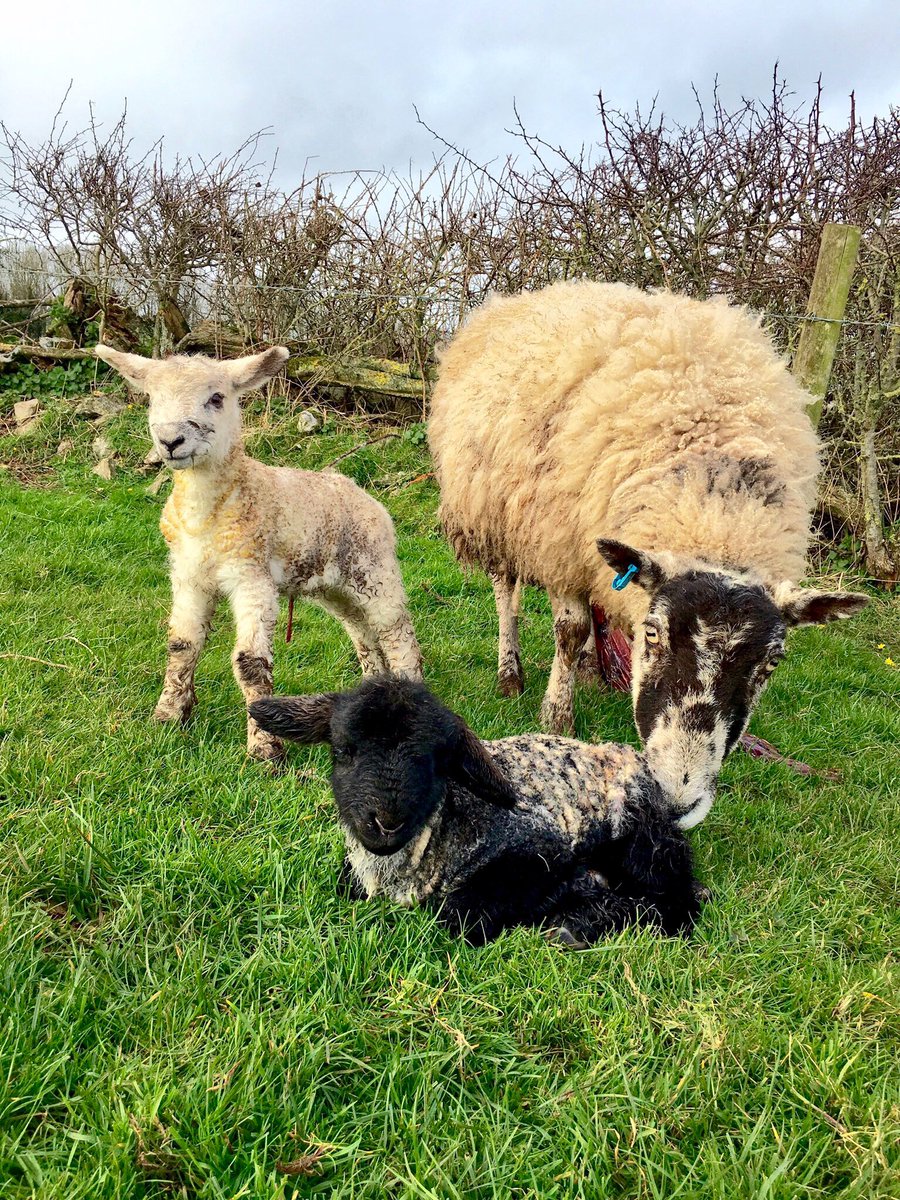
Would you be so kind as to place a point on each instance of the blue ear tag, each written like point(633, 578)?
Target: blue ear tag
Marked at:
point(623, 580)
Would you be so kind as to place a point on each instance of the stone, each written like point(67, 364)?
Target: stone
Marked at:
point(101, 448)
point(26, 413)
point(104, 469)
point(308, 422)
point(65, 448)
point(152, 458)
point(98, 408)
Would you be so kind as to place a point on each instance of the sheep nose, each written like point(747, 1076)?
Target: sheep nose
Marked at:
point(172, 444)
point(385, 829)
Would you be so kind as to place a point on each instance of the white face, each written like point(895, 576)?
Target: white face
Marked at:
point(194, 417)
point(194, 414)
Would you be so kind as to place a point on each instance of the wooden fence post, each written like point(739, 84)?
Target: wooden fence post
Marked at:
point(827, 301)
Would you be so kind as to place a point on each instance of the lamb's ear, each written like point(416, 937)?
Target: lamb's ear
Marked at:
point(474, 769)
point(132, 367)
point(255, 369)
point(808, 606)
point(650, 575)
point(299, 718)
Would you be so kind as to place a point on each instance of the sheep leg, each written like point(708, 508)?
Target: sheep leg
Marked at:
point(507, 594)
point(519, 887)
point(255, 607)
point(571, 626)
point(192, 610)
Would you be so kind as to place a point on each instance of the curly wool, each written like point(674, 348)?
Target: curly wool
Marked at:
point(592, 408)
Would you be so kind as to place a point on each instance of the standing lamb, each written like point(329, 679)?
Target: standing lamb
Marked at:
point(530, 830)
point(238, 528)
point(671, 424)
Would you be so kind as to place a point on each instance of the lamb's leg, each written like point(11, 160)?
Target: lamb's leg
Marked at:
point(384, 616)
point(645, 877)
point(255, 607)
point(571, 625)
point(364, 639)
point(397, 643)
point(192, 610)
point(507, 593)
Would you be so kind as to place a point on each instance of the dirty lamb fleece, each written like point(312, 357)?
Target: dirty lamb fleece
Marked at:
point(529, 830)
point(239, 528)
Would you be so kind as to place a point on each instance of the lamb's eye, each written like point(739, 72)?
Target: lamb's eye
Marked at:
point(651, 635)
point(216, 400)
point(771, 665)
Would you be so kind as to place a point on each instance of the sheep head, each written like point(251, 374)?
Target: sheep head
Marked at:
point(394, 749)
point(702, 657)
point(194, 415)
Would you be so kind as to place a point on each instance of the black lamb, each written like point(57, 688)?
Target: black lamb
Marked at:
point(531, 830)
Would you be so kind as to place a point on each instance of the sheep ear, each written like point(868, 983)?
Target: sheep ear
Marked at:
point(132, 367)
point(255, 369)
point(473, 768)
point(807, 606)
point(299, 718)
point(650, 575)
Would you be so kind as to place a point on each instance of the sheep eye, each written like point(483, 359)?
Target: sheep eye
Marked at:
point(771, 665)
point(651, 635)
point(216, 400)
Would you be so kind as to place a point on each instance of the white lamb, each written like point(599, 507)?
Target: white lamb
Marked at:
point(240, 529)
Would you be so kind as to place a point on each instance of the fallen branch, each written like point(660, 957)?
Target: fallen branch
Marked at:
point(362, 445)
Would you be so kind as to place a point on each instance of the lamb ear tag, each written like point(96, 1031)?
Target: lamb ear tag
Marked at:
point(623, 580)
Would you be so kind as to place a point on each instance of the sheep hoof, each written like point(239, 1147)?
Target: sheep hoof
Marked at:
point(510, 685)
point(702, 892)
point(557, 720)
point(565, 937)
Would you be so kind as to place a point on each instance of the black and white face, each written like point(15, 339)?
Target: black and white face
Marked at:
point(703, 655)
point(194, 413)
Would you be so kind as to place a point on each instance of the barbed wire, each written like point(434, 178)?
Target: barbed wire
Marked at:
point(457, 301)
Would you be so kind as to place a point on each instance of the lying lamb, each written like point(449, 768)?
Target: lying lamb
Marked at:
point(247, 531)
point(528, 830)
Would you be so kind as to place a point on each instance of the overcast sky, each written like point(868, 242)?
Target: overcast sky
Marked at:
point(337, 80)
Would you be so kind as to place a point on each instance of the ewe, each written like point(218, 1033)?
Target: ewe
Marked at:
point(529, 830)
point(593, 409)
point(247, 531)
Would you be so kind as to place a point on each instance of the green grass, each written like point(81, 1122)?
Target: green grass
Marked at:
point(186, 1003)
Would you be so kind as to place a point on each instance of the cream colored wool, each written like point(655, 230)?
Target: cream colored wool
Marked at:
point(239, 529)
point(581, 411)
point(591, 410)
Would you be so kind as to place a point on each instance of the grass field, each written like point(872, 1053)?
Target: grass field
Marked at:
point(188, 1009)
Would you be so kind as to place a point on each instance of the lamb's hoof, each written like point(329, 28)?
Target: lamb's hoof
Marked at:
point(565, 937)
point(168, 710)
point(702, 893)
point(271, 752)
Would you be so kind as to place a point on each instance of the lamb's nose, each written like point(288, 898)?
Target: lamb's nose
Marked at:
point(384, 828)
point(173, 443)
